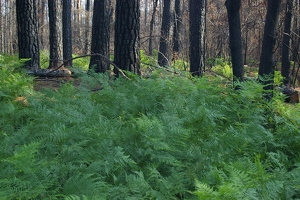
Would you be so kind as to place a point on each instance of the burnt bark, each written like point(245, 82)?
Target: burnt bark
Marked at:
point(54, 35)
point(28, 42)
point(285, 54)
point(152, 21)
point(165, 44)
point(100, 35)
point(197, 36)
point(267, 62)
point(235, 38)
point(67, 33)
point(178, 26)
point(127, 31)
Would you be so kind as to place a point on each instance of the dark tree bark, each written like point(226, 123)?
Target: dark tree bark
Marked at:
point(28, 42)
point(267, 63)
point(152, 21)
point(178, 26)
point(54, 35)
point(235, 38)
point(127, 30)
point(100, 35)
point(165, 44)
point(285, 55)
point(67, 33)
point(197, 36)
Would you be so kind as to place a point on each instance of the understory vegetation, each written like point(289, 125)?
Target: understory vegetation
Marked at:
point(167, 136)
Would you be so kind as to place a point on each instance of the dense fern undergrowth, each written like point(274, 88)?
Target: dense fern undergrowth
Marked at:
point(164, 137)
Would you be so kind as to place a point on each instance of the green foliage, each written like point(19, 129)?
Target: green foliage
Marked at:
point(150, 139)
point(278, 78)
point(13, 81)
point(225, 71)
point(221, 67)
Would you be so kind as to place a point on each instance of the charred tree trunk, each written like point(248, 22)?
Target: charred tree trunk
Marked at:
point(165, 44)
point(235, 38)
point(152, 21)
point(197, 36)
point(28, 42)
point(87, 26)
point(67, 33)
point(178, 26)
point(267, 63)
point(285, 56)
point(100, 35)
point(54, 35)
point(127, 31)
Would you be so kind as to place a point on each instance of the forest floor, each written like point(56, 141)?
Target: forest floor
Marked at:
point(53, 82)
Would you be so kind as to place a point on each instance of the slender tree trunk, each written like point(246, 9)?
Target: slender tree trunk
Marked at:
point(127, 31)
point(146, 13)
point(67, 33)
point(197, 36)
point(285, 56)
point(267, 63)
point(41, 22)
point(235, 38)
point(87, 26)
point(150, 48)
point(54, 35)
point(100, 35)
point(165, 44)
point(28, 42)
point(178, 26)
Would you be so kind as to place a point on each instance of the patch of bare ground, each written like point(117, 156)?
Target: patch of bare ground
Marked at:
point(53, 83)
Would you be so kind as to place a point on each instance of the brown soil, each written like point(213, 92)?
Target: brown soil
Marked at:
point(53, 82)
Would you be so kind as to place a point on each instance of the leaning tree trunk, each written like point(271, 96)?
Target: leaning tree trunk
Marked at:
point(127, 30)
point(197, 36)
point(165, 44)
point(285, 56)
point(267, 62)
point(100, 35)
point(28, 42)
point(235, 38)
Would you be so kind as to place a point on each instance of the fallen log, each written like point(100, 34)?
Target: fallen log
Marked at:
point(292, 95)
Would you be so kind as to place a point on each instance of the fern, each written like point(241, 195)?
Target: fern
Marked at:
point(149, 139)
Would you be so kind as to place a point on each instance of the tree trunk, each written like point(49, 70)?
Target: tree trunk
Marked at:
point(178, 26)
point(267, 63)
point(235, 38)
point(67, 33)
point(127, 30)
point(41, 22)
point(286, 65)
point(150, 48)
point(197, 36)
point(100, 35)
point(28, 42)
point(165, 44)
point(54, 35)
point(87, 26)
